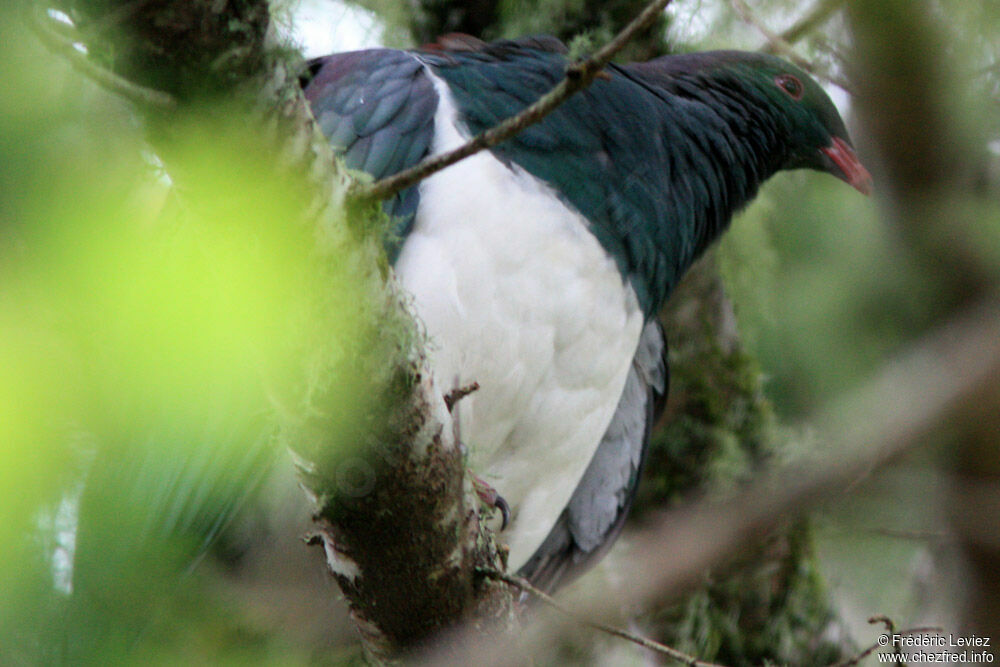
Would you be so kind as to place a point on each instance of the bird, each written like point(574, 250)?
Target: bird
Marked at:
point(538, 267)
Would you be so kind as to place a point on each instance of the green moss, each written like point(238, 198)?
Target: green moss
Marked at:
point(770, 608)
point(719, 426)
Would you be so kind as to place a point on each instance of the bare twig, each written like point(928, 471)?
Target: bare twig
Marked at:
point(579, 75)
point(657, 647)
point(917, 535)
point(890, 629)
point(777, 44)
point(40, 24)
point(820, 14)
point(890, 626)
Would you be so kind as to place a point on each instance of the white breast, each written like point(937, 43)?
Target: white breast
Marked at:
point(517, 295)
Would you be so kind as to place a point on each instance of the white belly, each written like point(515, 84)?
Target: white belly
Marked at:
point(517, 295)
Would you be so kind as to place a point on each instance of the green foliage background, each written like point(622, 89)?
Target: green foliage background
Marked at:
point(151, 352)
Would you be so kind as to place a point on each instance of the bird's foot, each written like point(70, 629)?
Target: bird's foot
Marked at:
point(492, 499)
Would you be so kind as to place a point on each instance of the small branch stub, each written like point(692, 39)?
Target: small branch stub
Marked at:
point(458, 393)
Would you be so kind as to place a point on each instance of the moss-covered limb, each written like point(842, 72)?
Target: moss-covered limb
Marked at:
point(187, 49)
point(770, 607)
point(405, 547)
point(400, 545)
point(718, 430)
point(719, 426)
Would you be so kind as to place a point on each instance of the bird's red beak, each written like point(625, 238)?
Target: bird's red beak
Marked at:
point(851, 169)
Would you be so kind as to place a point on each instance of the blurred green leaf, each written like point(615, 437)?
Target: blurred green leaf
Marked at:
point(151, 330)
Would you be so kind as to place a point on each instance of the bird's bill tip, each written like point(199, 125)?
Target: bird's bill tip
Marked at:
point(848, 166)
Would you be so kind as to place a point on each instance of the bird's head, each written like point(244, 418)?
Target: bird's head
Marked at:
point(818, 138)
point(813, 134)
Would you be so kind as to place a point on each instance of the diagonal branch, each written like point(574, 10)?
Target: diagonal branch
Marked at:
point(779, 45)
point(820, 14)
point(579, 75)
point(649, 644)
point(41, 25)
point(775, 42)
point(881, 421)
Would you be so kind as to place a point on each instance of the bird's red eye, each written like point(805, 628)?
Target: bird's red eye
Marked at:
point(790, 84)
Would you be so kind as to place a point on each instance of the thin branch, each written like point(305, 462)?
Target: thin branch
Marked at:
point(820, 14)
point(777, 44)
point(890, 625)
point(578, 76)
point(917, 535)
point(890, 629)
point(67, 49)
point(657, 647)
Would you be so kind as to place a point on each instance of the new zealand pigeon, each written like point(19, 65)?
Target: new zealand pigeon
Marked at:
point(538, 267)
